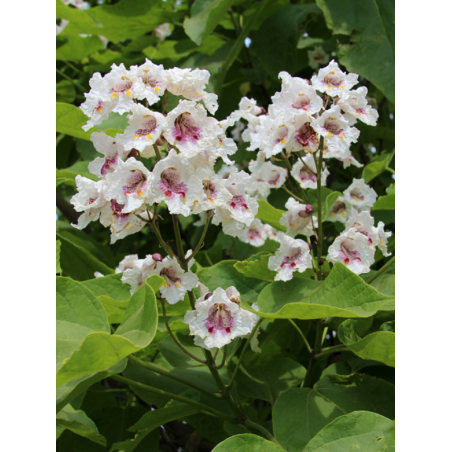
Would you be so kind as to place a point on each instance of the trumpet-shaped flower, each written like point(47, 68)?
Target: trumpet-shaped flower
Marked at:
point(360, 195)
point(304, 171)
point(152, 76)
point(214, 194)
point(218, 319)
point(136, 275)
point(255, 234)
point(127, 263)
point(340, 210)
point(303, 136)
point(380, 238)
point(298, 218)
point(265, 176)
point(354, 250)
point(333, 81)
point(363, 222)
point(354, 105)
point(293, 255)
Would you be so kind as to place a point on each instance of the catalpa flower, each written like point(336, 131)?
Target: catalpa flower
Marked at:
point(317, 57)
point(136, 276)
point(333, 81)
point(354, 105)
point(97, 108)
point(173, 181)
point(303, 136)
point(255, 234)
point(218, 319)
point(189, 128)
point(293, 255)
point(380, 238)
point(360, 195)
point(113, 151)
point(340, 210)
point(129, 184)
point(215, 193)
point(145, 127)
point(298, 218)
point(163, 31)
point(297, 96)
point(305, 172)
point(265, 176)
point(121, 224)
point(152, 76)
point(177, 281)
point(190, 83)
point(362, 222)
point(90, 199)
point(127, 263)
point(336, 130)
point(352, 249)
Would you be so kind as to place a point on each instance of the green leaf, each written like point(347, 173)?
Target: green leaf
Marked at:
point(247, 443)
point(69, 391)
point(77, 262)
point(269, 381)
point(78, 168)
point(65, 91)
point(256, 269)
point(377, 166)
point(370, 50)
point(94, 350)
point(205, 16)
point(385, 203)
point(379, 346)
point(70, 119)
point(299, 414)
point(126, 19)
point(342, 294)
point(328, 204)
point(270, 215)
point(58, 247)
point(359, 430)
point(78, 422)
point(277, 39)
point(225, 275)
point(77, 47)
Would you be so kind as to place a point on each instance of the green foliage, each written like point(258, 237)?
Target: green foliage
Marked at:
point(268, 214)
point(247, 443)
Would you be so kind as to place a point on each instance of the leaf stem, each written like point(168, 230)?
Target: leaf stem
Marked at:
point(175, 340)
point(180, 248)
point(244, 350)
point(250, 424)
point(308, 381)
point(194, 403)
point(201, 240)
point(165, 246)
point(381, 271)
point(319, 207)
point(301, 334)
point(158, 370)
point(329, 350)
point(294, 196)
point(157, 152)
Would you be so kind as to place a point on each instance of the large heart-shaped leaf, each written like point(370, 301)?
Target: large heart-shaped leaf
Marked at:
point(342, 294)
point(299, 414)
point(85, 344)
point(359, 430)
point(270, 215)
point(247, 443)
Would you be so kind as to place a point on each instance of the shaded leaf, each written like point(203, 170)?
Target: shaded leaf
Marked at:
point(247, 443)
point(378, 165)
point(58, 246)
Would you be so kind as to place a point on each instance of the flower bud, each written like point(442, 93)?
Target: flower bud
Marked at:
point(310, 246)
point(157, 257)
point(208, 295)
point(308, 210)
point(133, 153)
point(321, 261)
point(160, 141)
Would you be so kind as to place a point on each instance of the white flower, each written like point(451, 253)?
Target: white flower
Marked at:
point(189, 128)
point(96, 108)
point(205, 158)
point(236, 132)
point(214, 192)
point(113, 151)
point(352, 249)
point(351, 161)
point(303, 136)
point(380, 238)
point(152, 76)
point(255, 234)
point(304, 171)
point(333, 81)
point(62, 26)
point(297, 95)
point(145, 127)
point(298, 219)
point(317, 57)
point(360, 195)
point(230, 225)
point(129, 184)
point(354, 104)
point(127, 263)
point(272, 233)
point(90, 199)
point(292, 255)
point(136, 275)
point(174, 182)
point(79, 4)
point(177, 281)
point(362, 222)
point(340, 210)
point(265, 176)
point(336, 130)
point(98, 275)
point(163, 31)
point(218, 319)
point(121, 224)
point(190, 83)
point(248, 110)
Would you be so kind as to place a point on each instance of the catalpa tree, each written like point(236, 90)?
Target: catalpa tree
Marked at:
point(225, 275)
